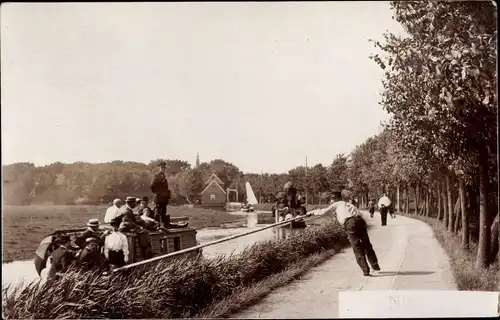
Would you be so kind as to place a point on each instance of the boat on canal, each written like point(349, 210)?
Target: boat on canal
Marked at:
point(162, 242)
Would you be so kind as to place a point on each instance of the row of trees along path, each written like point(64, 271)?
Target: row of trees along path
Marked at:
point(440, 90)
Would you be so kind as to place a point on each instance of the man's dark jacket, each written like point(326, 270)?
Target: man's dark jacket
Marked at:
point(159, 188)
point(61, 260)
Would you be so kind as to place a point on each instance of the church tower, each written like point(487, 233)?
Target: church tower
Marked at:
point(197, 159)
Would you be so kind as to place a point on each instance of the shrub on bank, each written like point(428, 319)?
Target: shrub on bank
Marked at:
point(179, 288)
point(463, 261)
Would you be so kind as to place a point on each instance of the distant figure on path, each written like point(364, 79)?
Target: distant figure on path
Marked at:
point(116, 248)
point(112, 211)
point(383, 214)
point(161, 195)
point(371, 207)
point(383, 203)
point(355, 226)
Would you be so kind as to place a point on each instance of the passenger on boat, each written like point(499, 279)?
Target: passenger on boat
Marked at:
point(147, 216)
point(90, 256)
point(144, 209)
point(91, 232)
point(116, 248)
point(291, 195)
point(112, 211)
point(137, 206)
point(63, 256)
point(128, 223)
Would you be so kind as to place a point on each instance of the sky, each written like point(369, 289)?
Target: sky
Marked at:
point(262, 85)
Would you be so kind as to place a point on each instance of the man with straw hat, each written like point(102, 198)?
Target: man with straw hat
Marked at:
point(91, 232)
point(355, 226)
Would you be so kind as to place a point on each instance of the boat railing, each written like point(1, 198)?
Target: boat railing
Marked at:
point(192, 249)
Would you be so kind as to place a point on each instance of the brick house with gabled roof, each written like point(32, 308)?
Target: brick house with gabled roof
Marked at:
point(214, 194)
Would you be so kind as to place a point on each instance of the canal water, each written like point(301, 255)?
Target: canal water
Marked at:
point(23, 272)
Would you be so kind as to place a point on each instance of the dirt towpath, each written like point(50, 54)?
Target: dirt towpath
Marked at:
point(409, 256)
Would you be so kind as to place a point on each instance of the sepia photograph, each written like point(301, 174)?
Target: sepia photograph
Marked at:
point(266, 159)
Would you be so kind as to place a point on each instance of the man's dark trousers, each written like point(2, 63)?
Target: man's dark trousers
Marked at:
point(383, 215)
point(358, 237)
point(161, 214)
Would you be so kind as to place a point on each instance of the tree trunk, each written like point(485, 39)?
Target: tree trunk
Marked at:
point(439, 200)
point(445, 206)
point(494, 240)
point(456, 212)
point(483, 246)
point(427, 202)
point(465, 215)
point(407, 199)
point(450, 203)
point(416, 200)
point(397, 200)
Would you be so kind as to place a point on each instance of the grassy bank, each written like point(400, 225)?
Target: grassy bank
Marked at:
point(25, 226)
point(249, 296)
point(462, 261)
point(182, 288)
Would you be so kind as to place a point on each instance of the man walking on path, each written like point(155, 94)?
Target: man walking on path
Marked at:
point(355, 226)
point(371, 207)
point(383, 203)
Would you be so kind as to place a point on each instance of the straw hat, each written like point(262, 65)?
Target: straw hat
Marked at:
point(93, 223)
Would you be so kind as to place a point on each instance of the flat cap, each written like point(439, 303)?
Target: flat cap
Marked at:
point(162, 164)
point(130, 199)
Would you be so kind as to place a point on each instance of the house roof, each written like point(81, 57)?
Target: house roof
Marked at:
point(212, 182)
point(214, 176)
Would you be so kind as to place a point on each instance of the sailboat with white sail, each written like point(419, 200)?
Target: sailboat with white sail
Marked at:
point(251, 199)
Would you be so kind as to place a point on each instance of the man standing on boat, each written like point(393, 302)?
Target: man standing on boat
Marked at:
point(355, 226)
point(161, 195)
